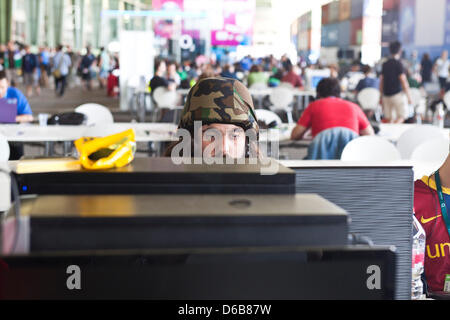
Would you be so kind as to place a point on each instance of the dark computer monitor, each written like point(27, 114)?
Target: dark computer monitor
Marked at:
point(204, 274)
point(313, 77)
point(121, 222)
point(162, 176)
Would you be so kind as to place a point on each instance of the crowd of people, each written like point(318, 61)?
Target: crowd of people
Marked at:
point(34, 69)
point(268, 71)
point(393, 76)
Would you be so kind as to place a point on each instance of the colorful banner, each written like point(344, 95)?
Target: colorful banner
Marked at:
point(407, 24)
point(164, 28)
point(238, 21)
point(447, 23)
point(390, 27)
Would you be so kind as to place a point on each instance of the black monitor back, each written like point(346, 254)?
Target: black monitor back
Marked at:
point(205, 274)
point(162, 176)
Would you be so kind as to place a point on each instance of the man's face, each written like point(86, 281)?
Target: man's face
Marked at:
point(3, 88)
point(233, 140)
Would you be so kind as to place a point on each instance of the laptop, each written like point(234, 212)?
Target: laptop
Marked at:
point(8, 110)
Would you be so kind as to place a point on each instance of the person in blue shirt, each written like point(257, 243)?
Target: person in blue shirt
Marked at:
point(85, 68)
point(24, 113)
point(368, 81)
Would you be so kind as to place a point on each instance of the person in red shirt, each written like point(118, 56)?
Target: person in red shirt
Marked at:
point(330, 111)
point(427, 209)
point(292, 77)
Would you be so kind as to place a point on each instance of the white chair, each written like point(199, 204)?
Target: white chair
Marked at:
point(95, 114)
point(4, 149)
point(369, 100)
point(370, 148)
point(447, 99)
point(413, 137)
point(435, 151)
point(281, 99)
point(166, 99)
point(268, 116)
point(258, 86)
point(286, 85)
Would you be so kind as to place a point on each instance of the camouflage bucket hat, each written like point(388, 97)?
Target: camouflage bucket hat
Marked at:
point(219, 100)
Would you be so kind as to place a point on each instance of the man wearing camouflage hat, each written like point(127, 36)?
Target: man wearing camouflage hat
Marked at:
point(223, 106)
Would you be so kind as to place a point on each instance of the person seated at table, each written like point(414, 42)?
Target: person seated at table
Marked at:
point(368, 82)
point(351, 79)
point(228, 72)
point(256, 75)
point(159, 79)
point(172, 74)
point(430, 209)
point(292, 76)
point(24, 113)
point(224, 105)
point(330, 111)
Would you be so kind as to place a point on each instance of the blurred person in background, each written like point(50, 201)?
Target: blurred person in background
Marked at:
point(85, 67)
point(291, 76)
point(426, 68)
point(60, 70)
point(394, 86)
point(44, 67)
point(330, 111)
point(104, 66)
point(256, 75)
point(159, 79)
point(172, 74)
point(352, 77)
point(369, 81)
point(10, 61)
point(441, 69)
point(228, 72)
point(30, 72)
point(24, 113)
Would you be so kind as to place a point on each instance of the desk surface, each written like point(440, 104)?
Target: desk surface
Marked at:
point(179, 206)
point(145, 132)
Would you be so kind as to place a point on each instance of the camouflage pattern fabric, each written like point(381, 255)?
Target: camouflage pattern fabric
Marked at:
point(219, 100)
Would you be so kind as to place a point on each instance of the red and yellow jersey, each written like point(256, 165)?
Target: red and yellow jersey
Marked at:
point(428, 213)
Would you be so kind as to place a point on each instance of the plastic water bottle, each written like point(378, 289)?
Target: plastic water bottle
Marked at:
point(439, 116)
point(418, 260)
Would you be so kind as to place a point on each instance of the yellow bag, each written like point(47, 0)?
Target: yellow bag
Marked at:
point(114, 151)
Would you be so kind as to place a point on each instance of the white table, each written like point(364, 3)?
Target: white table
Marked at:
point(145, 132)
point(29, 133)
